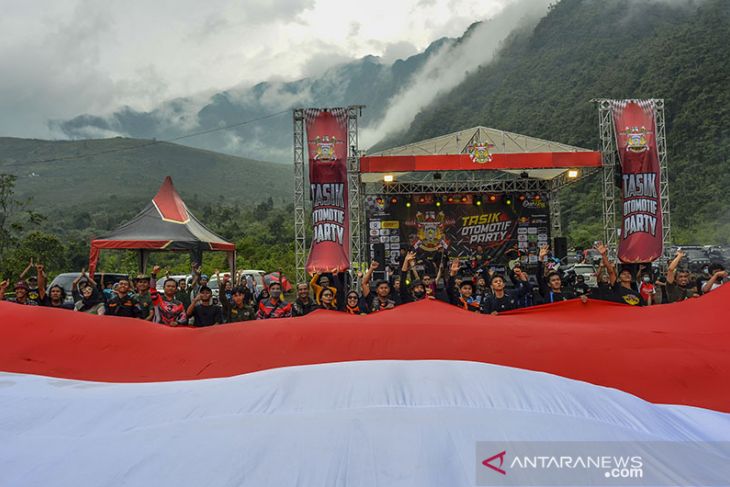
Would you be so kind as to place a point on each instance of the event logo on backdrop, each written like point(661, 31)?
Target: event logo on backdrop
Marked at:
point(479, 152)
point(326, 135)
point(506, 227)
point(641, 223)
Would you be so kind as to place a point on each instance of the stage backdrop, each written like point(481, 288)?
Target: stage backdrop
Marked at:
point(500, 227)
point(327, 144)
point(641, 224)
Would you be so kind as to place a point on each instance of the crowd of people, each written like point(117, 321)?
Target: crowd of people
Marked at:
point(472, 284)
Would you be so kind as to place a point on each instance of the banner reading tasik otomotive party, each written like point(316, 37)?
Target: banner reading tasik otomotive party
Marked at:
point(641, 222)
point(327, 144)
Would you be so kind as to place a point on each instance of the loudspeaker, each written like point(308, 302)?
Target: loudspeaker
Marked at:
point(560, 247)
point(379, 254)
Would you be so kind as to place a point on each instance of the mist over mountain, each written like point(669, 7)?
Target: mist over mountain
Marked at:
point(543, 80)
point(393, 92)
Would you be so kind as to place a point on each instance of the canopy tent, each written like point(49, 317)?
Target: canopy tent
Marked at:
point(481, 149)
point(165, 224)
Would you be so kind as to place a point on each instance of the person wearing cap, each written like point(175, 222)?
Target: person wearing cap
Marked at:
point(33, 287)
point(620, 284)
point(21, 293)
point(32, 281)
point(274, 306)
point(411, 289)
point(381, 301)
point(461, 294)
point(143, 297)
point(202, 309)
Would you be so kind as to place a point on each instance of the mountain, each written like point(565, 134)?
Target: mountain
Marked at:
point(60, 175)
point(366, 81)
point(543, 79)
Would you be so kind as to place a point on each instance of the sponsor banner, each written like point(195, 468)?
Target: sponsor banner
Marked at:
point(327, 145)
point(511, 226)
point(641, 222)
point(603, 463)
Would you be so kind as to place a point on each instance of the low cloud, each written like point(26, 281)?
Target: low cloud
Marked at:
point(451, 65)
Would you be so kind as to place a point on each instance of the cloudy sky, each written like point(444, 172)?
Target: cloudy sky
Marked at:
point(62, 58)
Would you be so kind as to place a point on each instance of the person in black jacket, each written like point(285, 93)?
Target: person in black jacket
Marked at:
point(502, 299)
point(411, 287)
point(551, 284)
point(461, 294)
point(304, 304)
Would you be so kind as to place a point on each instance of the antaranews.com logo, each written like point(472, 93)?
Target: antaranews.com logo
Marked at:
point(612, 467)
point(624, 464)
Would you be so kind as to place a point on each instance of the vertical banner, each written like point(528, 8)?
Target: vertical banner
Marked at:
point(641, 222)
point(327, 145)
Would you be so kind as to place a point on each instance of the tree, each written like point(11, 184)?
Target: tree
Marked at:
point(41, 247)
point(14, 215)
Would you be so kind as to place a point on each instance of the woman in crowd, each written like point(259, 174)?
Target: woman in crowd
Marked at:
point(91, 301)
point(355, 305)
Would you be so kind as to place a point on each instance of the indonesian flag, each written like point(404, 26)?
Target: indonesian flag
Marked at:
point(423, 395)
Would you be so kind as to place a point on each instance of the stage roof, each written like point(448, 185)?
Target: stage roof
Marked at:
point(505, 151)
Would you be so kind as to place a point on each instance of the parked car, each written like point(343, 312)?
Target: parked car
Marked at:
point(257, 276)
point(66, 280)
point(160, 284)
point(214, 285)
point(587, 271)
point(718, 255)
point(696, 257)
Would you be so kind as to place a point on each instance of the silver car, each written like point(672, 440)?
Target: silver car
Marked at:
point(587, 271)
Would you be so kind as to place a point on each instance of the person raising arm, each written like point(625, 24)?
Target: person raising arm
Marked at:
point(381, 301)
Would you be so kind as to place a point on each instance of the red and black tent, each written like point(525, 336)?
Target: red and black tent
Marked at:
point(165, 224)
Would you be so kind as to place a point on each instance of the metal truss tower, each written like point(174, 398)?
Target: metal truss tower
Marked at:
point(354, 193)
point(661, 142)
point(608, 158)
point(300, 234)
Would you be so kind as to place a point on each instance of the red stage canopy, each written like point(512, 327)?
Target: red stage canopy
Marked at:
point(462, 162)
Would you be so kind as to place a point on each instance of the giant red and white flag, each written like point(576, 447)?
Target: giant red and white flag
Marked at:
point(426, 394)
